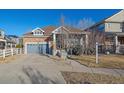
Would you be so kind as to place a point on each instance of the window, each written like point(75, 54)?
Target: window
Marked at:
point(121, 25)
point(38, 33)
point(109, 25)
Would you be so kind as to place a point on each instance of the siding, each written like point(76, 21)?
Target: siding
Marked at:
point(112, 27)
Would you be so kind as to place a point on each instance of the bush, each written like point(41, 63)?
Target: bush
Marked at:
point(19, 46)
point(89, 51)
point(77, 50)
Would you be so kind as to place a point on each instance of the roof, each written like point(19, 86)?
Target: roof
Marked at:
point(49, 29)
point(102, 21)
point(8, 39)
point(73, 30)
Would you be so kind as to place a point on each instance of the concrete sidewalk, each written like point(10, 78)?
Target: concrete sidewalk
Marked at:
point(77, 67)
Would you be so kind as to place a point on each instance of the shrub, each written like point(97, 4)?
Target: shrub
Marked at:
point(19, 46)
point(77, 50)
point(89, 51)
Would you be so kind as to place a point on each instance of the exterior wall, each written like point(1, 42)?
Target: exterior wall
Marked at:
point(113, 27)
point(35, 39)
point(112, 23)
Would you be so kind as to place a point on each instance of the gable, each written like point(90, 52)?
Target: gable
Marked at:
point(118, 17)
point(60, 30)
point(38, 31)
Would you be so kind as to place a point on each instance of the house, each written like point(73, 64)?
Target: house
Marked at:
point(2, 40)
point(6, 41)
point(113, 28)
point(14, 38)
point(52, 39)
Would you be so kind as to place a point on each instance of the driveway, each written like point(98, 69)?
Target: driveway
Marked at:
point(31, 69)
point(42, 69)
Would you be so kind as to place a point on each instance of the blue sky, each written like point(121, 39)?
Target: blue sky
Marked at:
point(17, 22)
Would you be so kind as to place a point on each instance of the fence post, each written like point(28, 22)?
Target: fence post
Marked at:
point(16, 51)
point(20, 50)
point(11, 51)
point(97, 53)
point(4, 55)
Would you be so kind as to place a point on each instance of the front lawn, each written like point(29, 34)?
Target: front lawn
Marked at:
point(89, 78)
point(9, 59)
point(105, 61)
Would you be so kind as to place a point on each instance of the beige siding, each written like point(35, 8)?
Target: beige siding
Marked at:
point(112, 27)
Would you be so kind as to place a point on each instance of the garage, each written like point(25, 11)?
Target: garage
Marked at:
point(37, 48)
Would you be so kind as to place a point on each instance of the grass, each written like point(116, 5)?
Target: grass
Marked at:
point(105, 61)
point(8, 59)
point(88, 78)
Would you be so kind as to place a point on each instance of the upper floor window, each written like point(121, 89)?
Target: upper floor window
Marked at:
point(38, 32)
point(121, 25)
point(108, 25)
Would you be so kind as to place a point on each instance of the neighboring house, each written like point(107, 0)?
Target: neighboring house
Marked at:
point(14, 38)
point(2, 40)
point(51, 39)
point(6, 41)
point(113, 28)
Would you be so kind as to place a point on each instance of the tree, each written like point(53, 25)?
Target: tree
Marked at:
point(85, 23)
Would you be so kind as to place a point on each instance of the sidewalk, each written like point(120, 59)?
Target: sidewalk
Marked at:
point(77, 67)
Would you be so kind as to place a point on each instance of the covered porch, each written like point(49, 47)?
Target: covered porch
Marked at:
point(119, 42)
point(4, 44)
point(65, 40)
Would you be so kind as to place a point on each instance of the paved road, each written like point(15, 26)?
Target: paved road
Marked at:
point(42, 69)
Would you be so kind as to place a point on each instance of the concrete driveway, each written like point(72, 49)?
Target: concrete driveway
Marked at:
point(32, 69)
point(38, 69)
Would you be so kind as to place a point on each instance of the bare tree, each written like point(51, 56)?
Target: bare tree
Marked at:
point(62, 20)
point(85, 23)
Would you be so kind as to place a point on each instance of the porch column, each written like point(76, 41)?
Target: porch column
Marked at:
point(81, 41)
point(86, 40)
point(116, 44)
point(54, 44)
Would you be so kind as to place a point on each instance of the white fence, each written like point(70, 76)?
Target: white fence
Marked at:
point(10, 52)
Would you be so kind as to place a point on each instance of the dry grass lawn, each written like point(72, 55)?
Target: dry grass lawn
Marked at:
point(8, 59)
point(105, 61)
point(88, 78)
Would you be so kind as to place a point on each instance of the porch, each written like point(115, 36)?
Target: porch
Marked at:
point(114, 43)
point(6, 45)
point(119, 42)
point(65, 40)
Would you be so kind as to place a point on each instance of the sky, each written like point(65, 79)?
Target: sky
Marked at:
point(19, 21)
